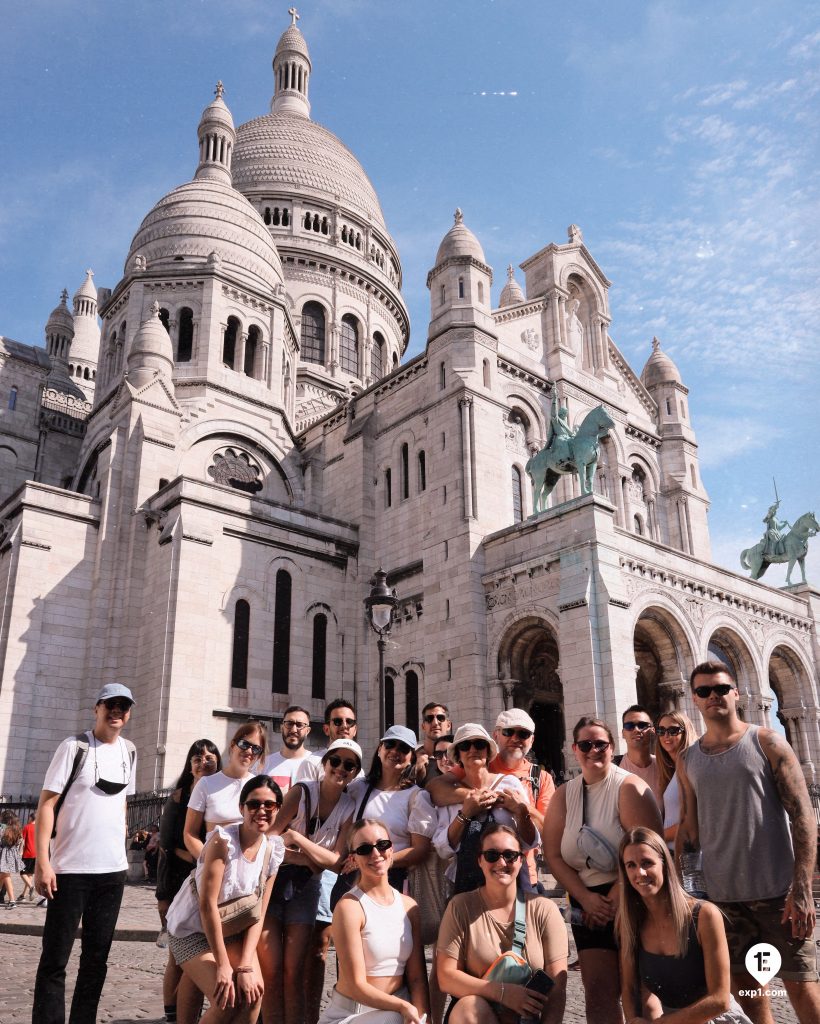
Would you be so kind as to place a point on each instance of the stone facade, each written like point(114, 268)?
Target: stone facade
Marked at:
point(206, 532)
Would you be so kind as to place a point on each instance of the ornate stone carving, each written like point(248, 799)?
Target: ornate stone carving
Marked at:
point(531, 338)
point(233, 467)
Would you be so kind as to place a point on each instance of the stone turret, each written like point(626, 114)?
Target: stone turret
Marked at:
point(460, 282)
point(217, 137)
point(85, 348)
point(150, 352)
point(511, 293)
point(291, 72)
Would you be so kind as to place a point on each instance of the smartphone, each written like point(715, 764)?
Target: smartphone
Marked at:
point(540, 982)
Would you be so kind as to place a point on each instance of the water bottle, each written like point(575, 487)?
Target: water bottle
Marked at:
point(692, 869)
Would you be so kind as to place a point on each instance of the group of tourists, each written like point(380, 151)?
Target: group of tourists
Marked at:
point(266, 855)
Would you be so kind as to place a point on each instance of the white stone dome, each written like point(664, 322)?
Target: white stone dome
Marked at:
point(60, 319)
point(151, 350)
point(292, 41)
point(286, 152)
point(459, 242)
point(204, 217)
point(659, 368)
point(511, 293)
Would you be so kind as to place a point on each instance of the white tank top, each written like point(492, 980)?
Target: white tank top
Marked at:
point(602, 815)
point(387, 937)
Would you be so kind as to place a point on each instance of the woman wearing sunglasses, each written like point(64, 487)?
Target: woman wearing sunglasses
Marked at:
point(670, 944)
point(215, 798)
point(479, 926)
point(491, 798)
point(381, 971)
point(388, 794)
point(314, 823)
point(585, 822)
point(675, 733)
point(237, 860)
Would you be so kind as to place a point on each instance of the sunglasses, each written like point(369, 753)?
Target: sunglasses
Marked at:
point(339, 722)
point(435, 718)
point(721, 689)
point(597, 745)
point(254, 748)
point(349, 766)
point(290, 724)
point(382, 845)
point(640, 726)
point(669, 730)
point(493, 856)
point(472, 744)
point(254, 805)
point(439, 754)
point(117, 704)
point(397, 745)
point(521, 734)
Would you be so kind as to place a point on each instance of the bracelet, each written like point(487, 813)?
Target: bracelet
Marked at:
point(463, 818)
point(243, 970)
point(501, 1000)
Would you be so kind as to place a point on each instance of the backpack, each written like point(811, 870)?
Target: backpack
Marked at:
point(79, 760)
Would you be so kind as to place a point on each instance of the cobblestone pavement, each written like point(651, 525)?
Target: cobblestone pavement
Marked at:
point(133, 988)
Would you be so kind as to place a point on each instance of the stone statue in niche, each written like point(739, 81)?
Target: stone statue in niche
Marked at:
point(575, 329)
point(232, 468)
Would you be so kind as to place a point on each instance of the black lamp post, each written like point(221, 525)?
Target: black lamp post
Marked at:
point(380, 605)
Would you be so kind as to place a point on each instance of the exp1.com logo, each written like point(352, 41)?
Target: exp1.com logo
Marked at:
point(763, 962)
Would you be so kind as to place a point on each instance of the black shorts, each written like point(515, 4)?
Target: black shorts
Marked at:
point(594, 938)
point(28, 865)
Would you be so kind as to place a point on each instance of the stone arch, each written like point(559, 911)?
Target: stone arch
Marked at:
point(791, 687)
point(579, 275)
point(531, 416)
point(664, 657)
point(728, 642)
point(241, 591)
point(291, 566)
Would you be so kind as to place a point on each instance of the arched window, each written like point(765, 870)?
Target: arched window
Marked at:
point(317, 688)
point(185, 344)
point(638, 526)
point(389, 699)
point(313, 333)
point(422, 471)
point(442, 376)
point(12, 399)
point(486, 371)
point(165, 319)
point(395, 360)
point(480, 291)
point(349, 345)
point(461, 287)
point(517, 495)
point(405, 472)
point(281, 632)
point(229, 342)
point(251, 348)
point(693, 474)
point(87, 375)
point(241, 642)
point(411, 700)
point(388, 488)
point(377, 356)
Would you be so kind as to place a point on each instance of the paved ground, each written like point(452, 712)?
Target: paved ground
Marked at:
point(133, 988)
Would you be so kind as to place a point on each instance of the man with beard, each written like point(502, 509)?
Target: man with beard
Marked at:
point(288, 764)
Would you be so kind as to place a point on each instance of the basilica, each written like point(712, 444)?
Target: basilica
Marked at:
point(206, 464)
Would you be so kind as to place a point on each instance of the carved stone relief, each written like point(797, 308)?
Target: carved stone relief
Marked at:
point(233, 467)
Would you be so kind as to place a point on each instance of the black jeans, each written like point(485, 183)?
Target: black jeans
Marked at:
point(94, 899)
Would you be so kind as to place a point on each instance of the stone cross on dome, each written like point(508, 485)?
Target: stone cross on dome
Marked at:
point(458, 216)
point(219, 90)
point(64, 296)
point(294, 15)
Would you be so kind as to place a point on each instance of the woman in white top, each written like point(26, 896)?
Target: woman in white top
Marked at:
point(314, 823)
point(381, 972)
point(599, 805)
point(675, 733)
point(215, 799)
point(237, 860)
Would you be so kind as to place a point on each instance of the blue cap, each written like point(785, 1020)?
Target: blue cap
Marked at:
point(402, 734)
point(114, 690)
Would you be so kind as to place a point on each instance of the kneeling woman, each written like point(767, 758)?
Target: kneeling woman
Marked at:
point(479, 926)
point(382, 977)
point(237, 860)
point(670, 944)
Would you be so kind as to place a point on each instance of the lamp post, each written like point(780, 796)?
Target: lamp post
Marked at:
point(380, 605)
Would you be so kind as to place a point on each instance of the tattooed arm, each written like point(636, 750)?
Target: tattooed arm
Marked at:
point(687, 839)
point(791, 787)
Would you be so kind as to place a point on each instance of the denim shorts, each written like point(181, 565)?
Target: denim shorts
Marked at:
point(324, 915)
point(301, 907)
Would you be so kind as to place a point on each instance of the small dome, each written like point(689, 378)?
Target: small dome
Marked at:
point(150, 351)
point(60, 318)
point(87, 289)
point(511, 292)
point(659, 369)
point(459, 241)
point(203, 217)
point(216, 114)
point(292, 41)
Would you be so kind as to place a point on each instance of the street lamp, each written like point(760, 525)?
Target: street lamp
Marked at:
point(380, 605)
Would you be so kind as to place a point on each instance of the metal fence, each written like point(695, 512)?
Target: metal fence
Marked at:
point(143, 809)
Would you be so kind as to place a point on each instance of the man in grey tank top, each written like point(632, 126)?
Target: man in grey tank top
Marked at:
point(745, 804)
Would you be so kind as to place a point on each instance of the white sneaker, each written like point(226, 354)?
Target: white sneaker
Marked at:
point(162, 939)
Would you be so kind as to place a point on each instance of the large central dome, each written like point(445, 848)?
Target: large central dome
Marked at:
point(287, 152)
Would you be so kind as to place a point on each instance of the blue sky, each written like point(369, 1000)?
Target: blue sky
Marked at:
point(680, 135)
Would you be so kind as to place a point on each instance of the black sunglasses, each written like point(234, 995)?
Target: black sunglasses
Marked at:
point(439, 754)
point(117, 704)
point(349, 766)
point(254, 748)
point(493, 856)
point(339, 722)
point(721, 689)
point(640, 726)
point(475, 744)
point(669, 730)
point(254, 805)
point(397, 745)
point(382, 845)
point(521, 734)
point(597, 745)
point(435, 718)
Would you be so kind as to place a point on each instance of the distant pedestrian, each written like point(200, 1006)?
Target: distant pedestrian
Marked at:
point(29, 860)
point(82, 869)
point(11, 853)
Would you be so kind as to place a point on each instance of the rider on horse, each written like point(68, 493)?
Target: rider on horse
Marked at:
point(773, 535)
point(559, 431)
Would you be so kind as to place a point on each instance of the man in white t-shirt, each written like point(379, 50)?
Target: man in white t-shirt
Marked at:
point(81, 871)
point(288, 764)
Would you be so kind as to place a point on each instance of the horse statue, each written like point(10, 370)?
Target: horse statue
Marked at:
point(577, 453)
point(790, 548)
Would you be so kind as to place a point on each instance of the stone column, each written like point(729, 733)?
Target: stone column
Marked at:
point(671, 694)
point(764, 706)
point(465, 405)
point(239, 354)
point(651, 521)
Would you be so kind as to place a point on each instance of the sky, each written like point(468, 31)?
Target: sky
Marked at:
point(681, 135)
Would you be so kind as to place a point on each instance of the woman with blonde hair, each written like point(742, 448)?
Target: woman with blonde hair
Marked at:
point(671, 945)
point(675, 733)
